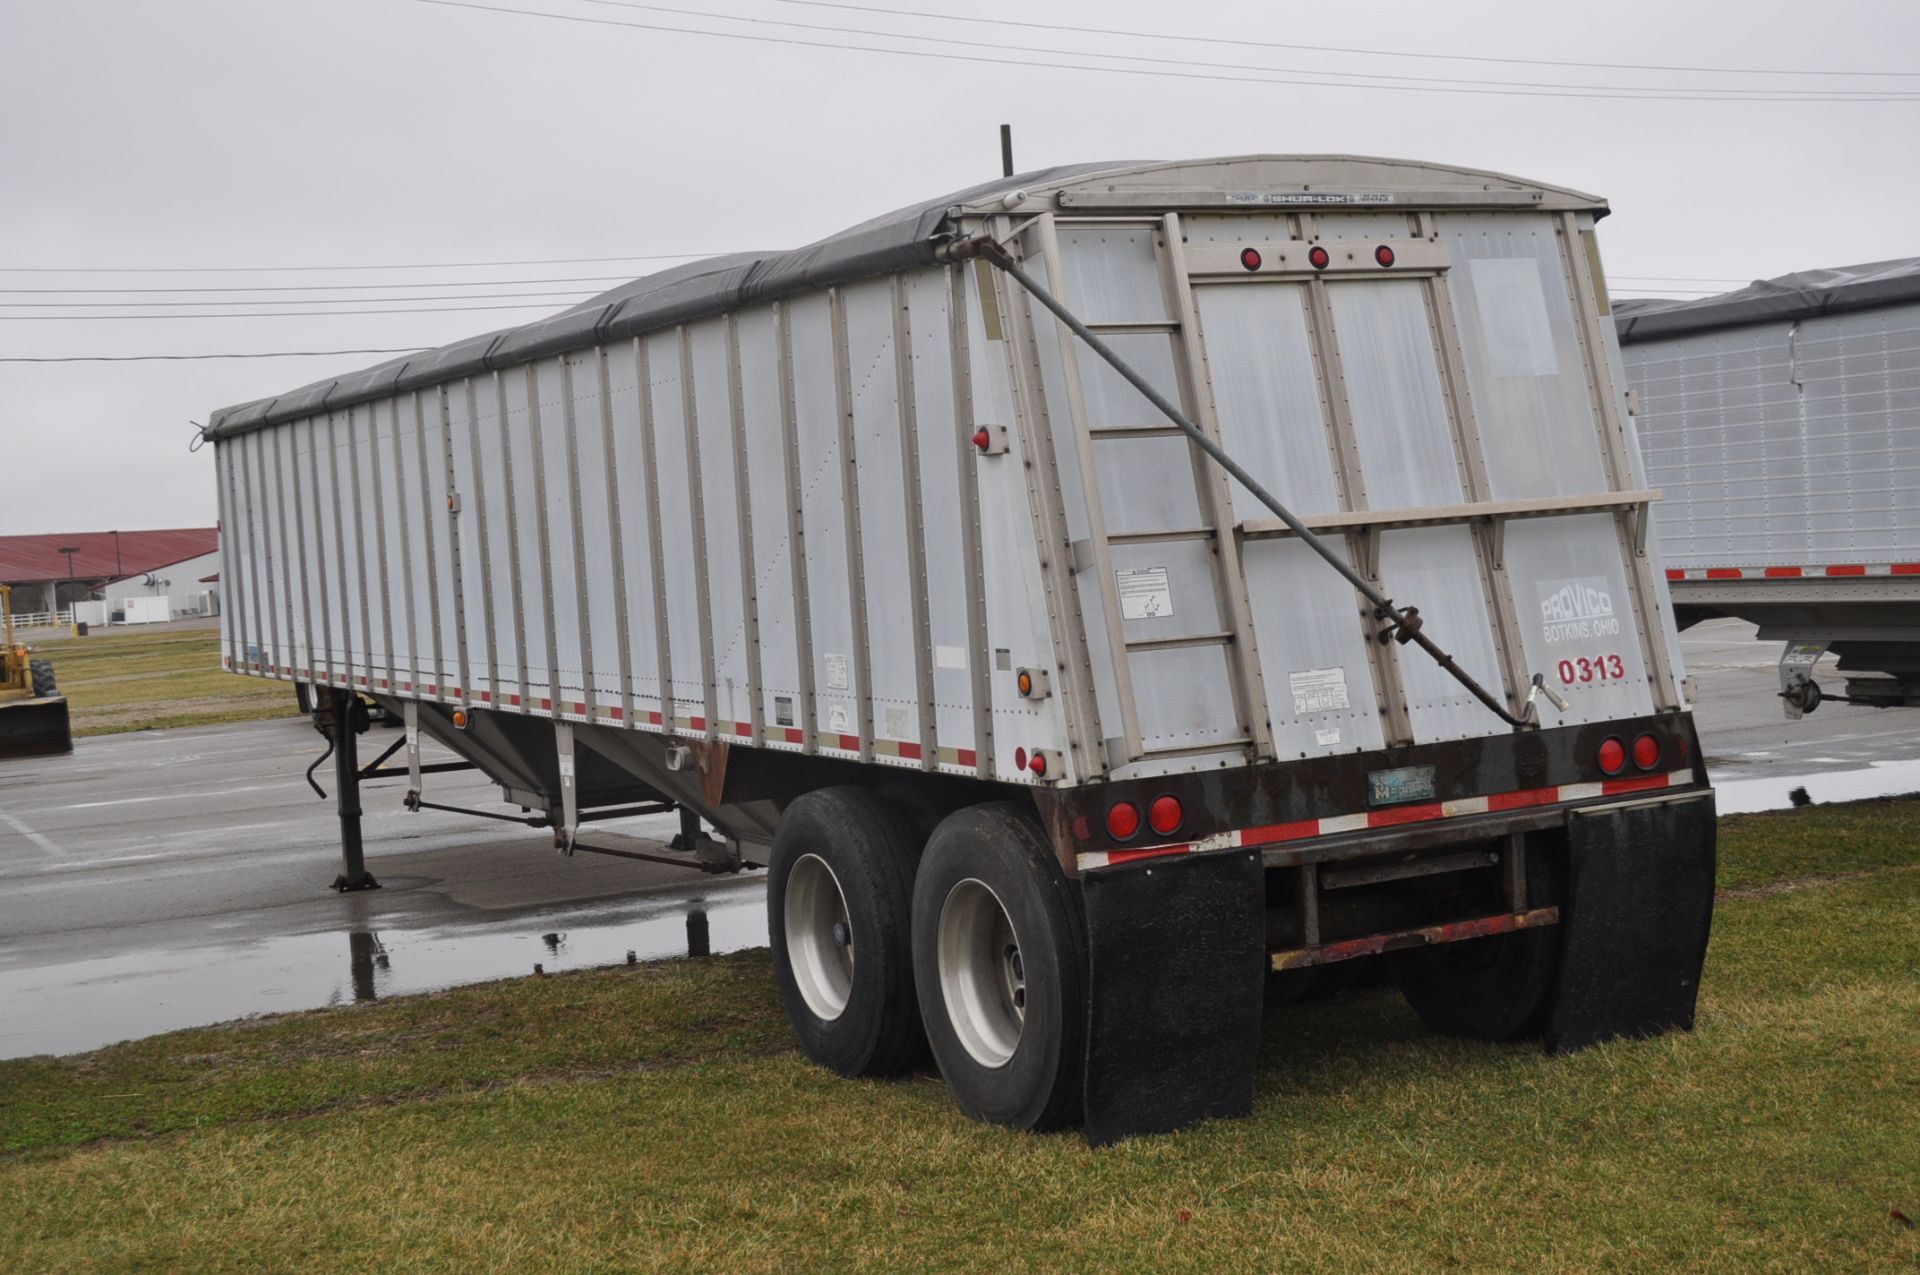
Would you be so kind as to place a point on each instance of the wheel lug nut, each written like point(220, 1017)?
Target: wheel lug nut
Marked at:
point(842, 936)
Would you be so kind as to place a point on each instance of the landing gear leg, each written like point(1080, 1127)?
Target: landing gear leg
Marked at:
point(346, 781)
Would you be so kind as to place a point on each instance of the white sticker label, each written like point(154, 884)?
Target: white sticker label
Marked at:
point(837, 718)
point(954, 657)
point(897, 727)
point(836, 672)
point(1577, 610)
point(1144, 594)
point(1327, 738)
point(1318, 690)
point(566, 766)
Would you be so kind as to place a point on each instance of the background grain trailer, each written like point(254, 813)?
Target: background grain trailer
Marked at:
point(1783, 422)
point(1055, 739)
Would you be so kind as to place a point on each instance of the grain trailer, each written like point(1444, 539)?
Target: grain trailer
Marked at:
point(1091, 595)
point(1783, 422)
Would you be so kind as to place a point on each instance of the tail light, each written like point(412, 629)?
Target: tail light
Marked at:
point(1613, 755)
point(1383, 255)
point(1123, 820)
point(1164, 816)
point(1646, 752)
point(1250, 258)
point(1037, 763)
point(982, 439)
point(1318, 257)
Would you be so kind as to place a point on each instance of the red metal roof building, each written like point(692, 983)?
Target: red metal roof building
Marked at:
point(100, 556)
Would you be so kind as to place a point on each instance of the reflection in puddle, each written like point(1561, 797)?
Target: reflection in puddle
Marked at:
point(59, 1009)
point(1879, 779)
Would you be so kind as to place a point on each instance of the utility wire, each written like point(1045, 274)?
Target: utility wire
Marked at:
point(156, 358)
point(325, 287)
point(418, 265)
point(1732, 94)
point(263, 314)
point(929, 54)
point(1334, 48)
point(557, 298)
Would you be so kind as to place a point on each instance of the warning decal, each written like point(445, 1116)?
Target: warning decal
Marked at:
point(1144, 593)
point(1318, 690)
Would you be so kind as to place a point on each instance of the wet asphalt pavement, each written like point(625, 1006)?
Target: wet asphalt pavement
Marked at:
point(160, 880)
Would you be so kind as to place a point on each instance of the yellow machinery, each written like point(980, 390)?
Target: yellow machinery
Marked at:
point(33, 713)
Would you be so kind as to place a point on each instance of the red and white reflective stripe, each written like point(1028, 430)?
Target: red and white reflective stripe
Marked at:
point(1838, 569)
point(1425, 812)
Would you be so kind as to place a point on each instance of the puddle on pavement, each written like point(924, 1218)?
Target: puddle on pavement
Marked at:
point(81, 1005)
point(1878, 779)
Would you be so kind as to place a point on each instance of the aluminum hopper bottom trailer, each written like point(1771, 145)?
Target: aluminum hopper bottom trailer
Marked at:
point(907, 561)
point(1783, 422)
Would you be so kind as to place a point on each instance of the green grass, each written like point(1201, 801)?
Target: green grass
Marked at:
point(660, 1118)
point(121, 680)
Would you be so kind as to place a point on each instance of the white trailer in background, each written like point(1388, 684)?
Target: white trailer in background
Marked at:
point(909, 561)
point(1782, 421)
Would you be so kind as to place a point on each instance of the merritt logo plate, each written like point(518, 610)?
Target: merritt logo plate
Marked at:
point(1409, 783)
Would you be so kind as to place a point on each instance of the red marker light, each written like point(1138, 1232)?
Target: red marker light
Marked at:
point(1613, 756)
point(1383, 255)
point(982, 439)
point(1250, 258)
point(1038, 763)
point(1646, 752)
point(1317, 257)
point(1019, 759)
point(1123, 820)
point(1165, 814)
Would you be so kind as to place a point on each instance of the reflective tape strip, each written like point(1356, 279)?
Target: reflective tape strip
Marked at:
point(1838, 569)
point(1394, 816)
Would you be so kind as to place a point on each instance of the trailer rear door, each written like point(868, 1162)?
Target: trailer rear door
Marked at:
point(1430, 403)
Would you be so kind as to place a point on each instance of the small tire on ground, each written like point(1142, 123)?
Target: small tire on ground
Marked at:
point(839, 895)
point(42, 673)
point(1007, 1027)
point(1498, 988)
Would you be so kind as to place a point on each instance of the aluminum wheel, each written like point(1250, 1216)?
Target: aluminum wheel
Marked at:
point(982, 979)
point(819, 937)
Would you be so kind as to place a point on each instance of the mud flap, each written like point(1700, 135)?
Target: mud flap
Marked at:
point(35, 728)
point(1639, 905)
point(1176, 956)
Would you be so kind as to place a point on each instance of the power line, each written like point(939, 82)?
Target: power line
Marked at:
point(156, 358)
point(929, 54)
point(325, 287)
point(263, 314)
point(1732, 94)
point(555, 297)
point(1335, 48)
point(418, 265)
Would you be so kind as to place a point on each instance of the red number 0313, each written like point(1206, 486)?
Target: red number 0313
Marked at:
point(1596, 668)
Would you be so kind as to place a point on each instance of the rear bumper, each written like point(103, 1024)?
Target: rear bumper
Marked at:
point(1327, 808)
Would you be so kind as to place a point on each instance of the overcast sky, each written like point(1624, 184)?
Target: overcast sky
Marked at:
point(188, 139)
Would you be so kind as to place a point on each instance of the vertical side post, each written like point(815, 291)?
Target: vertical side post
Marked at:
point(346, 783)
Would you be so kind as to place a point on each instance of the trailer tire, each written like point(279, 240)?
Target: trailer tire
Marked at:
point(839, 897)
point(1000, 956)
point(1498, 988)
point(42, 673)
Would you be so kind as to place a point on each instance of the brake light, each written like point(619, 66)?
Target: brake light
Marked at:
point(1318, 258)
point(1613, 756)
point(1123, 820)
point(1164, 815)
point(1250, 258)
point(1037, 763)
point(1646, 752)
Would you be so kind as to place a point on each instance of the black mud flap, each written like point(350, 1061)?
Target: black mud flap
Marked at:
point(1176, 962)
point(1639, 905)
